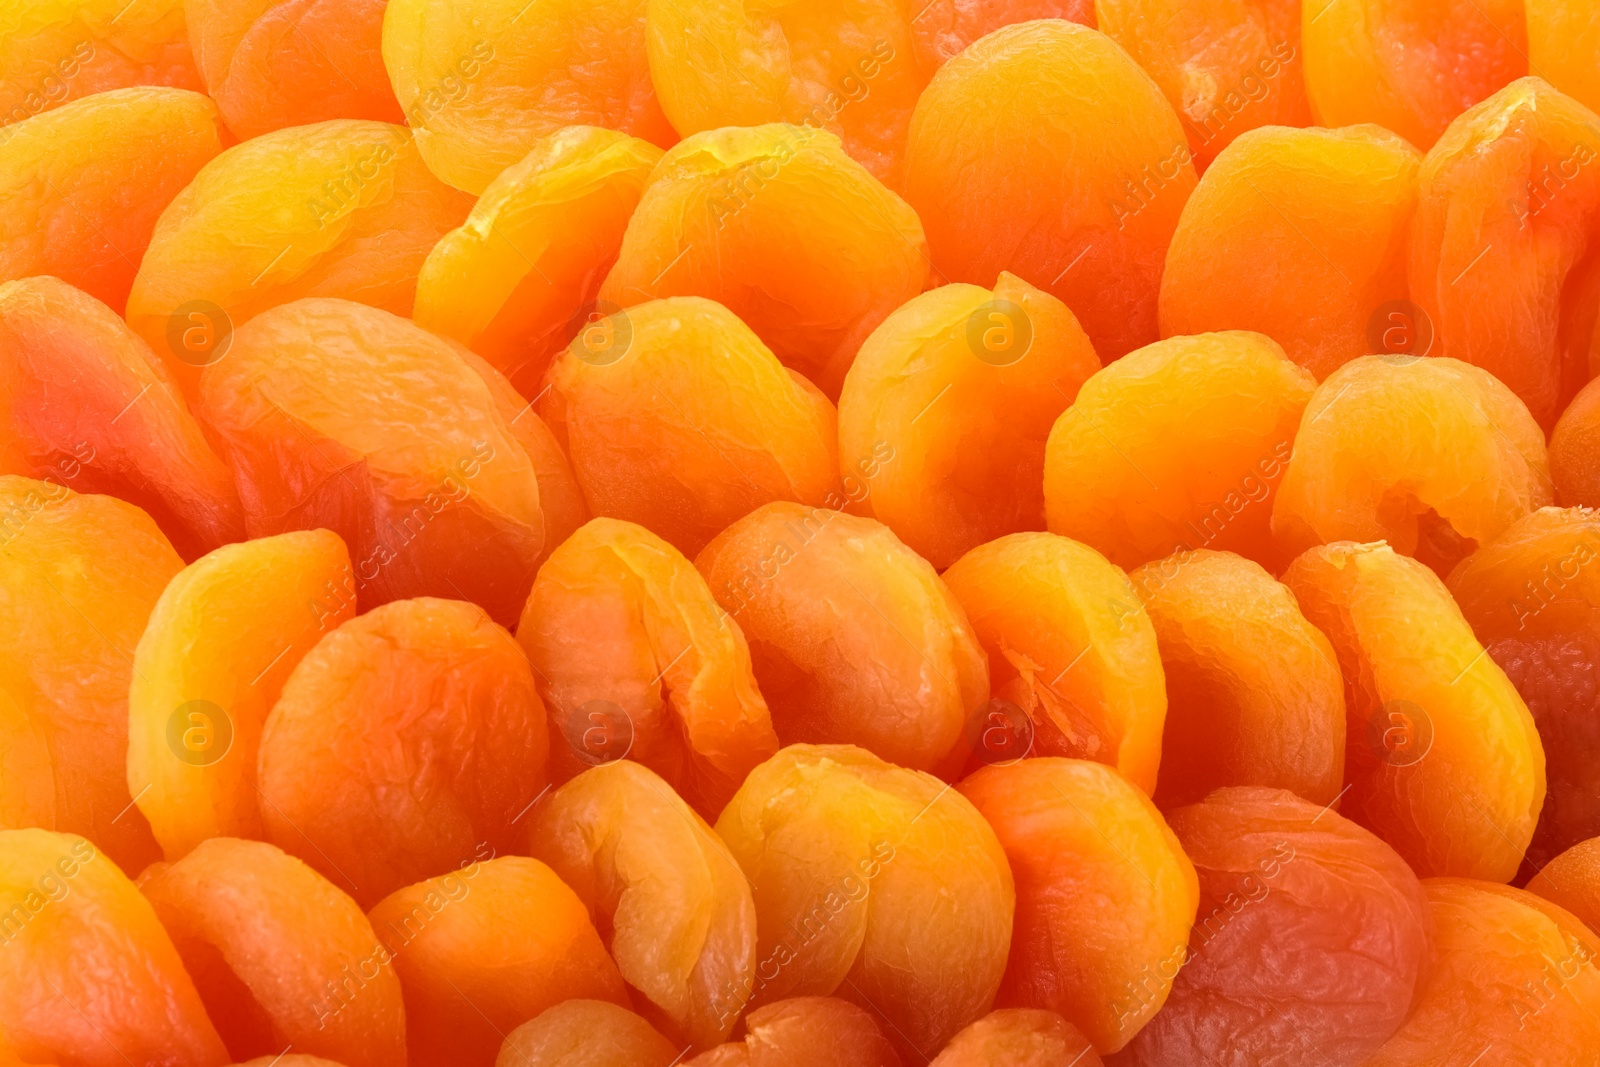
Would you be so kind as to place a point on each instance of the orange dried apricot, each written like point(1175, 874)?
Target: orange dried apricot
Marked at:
point(1179, 445)
point(289, 1059)
point(1575, 451)
point(853, 637)
point(1442, 758)
point(1310, 941)
point(586, 1033)
point(281, 957)
point(1301, 235)
point(1563, 39)
point(1019, 1037)
point(942, 29)
point(1000, 365)
point(782, 228)
point(806, 1032)
point(1082, 198)
point(1572, 881)
point(1104, 893)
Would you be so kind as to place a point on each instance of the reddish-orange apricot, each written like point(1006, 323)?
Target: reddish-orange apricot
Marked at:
point(1105, 895)
point(1511, 979)
point(1442, 758)
point(289, 1059)
point(281, 957)
point(1254, 694)
point(1082, 199)
point(1563, 39)
point(1177, 446)
point(586, 1033)
point(1070, 649)
point(88, 978)
point(946, 410)
point(1409, 65)
point(942, 29)
point(1301, 235)
point(1019, 1037)
point(779, 226)
point(84, 400)
point(484, 949)
point(409, 739)
point(853, 636)
point(1575, 451)
point(1572, 881)
point(635, 658)
point(1310, 938)
point(806, 1032)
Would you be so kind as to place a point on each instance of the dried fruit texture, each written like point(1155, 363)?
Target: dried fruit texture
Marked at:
point(879, 885)
point(780, 226)
point(75, 925)
point(1575, 451)
point(1563, 39)
point(72, 210)
point(481, 81)
point(83, 399)
point(220, 642)
point(338, 209)
point(1409, 65)
point(635, 658)
point(1177, 446)
point(1434, 456)
point(1510, 974)
point(1442, 758)
point(853, 636)
point(961, 384)
point(291, 1059)
point(1300, 235)
point(942, 29)
point(338, 415)
point(1086, 194)
point(586, 1033)
point(806, 1032)
point(516, 280)
point(484, 949)
point(281, 957)
point(408, 739)
point(1519, 173)
point(1070, 646)
point(1572, 881)
point(79, 575)
point(678, 418)
point(1309, 944)
point(1019, 1037)
point(1225, 68)
point(1105, 896)
point(1533, 599)
point(666, 896)
point(1254, 694)
point(55, 51)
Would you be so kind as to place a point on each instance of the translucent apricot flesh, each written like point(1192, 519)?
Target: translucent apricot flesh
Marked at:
point(806, 1032)
point(1563, 38)
point(958, 388)
point(1572, 881)
point(586, 1033)
point(1442, 758)
point(1019, 1037)
point(853, 637)
point(1301, 235)
point(1575, 451)
point(85, 401)
point(784, 229)
point(281, 957)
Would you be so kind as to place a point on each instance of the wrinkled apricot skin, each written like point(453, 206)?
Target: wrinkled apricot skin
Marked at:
point(1310, 941)
point(513, 282)
point(1300, 235)
point(1575, 451)
point(76, 922)
point(1410, 66)
point(785, 230)
point(586, 1033)
point(853, 637)
point(1572, 881)
point(70, 209)
point(962, 385)
point(1177, 446)
point(84, 400)
point(484, 949)
point(1104, 893)
point(219, 645)
point(1516, 174)
point(942, 29)
point(1019, 1037)
point(806, 1032)
point(1254, 694)
point(1563, 39)
point(1071, 647)
point(1084, 196)
point(1518, 971)
point(268, 941)
point(1442, 758)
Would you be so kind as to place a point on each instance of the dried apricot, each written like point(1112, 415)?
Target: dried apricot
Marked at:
point(586, 1033)
point(1572, 881)
point(1442, 758)
point(1575, 451)
point(1179, 445)
point(1000, 365)
point(1563, 39)
point(1019, 1037)
point(806, 1032)
point(853, 636)
point(942, 29)
point(1082, 199)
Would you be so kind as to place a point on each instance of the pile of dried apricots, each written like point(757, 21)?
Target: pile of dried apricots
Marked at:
point(631, 533)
